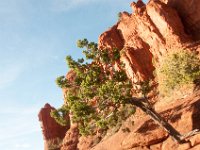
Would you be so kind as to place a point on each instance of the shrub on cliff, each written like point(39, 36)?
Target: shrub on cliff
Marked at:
point(178, 69)
point(97, 98)
point(54, 144)
point(100, 97)
point(61, 115)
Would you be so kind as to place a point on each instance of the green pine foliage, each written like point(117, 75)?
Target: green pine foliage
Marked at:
point(146, 87)
point(60, 115)
point(97, 98)
point(62, 82)
point(178, 69)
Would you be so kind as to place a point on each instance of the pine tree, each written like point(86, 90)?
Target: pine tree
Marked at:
point(100, 96)
point(97, 98)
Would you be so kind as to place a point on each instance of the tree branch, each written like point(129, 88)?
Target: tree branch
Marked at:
point(143, 104)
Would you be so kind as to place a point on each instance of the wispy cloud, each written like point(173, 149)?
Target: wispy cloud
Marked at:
point(19, 126)
point(66, 5)
point(24, 146)
point(11, 134)
point(9, 74)
point(19, 110)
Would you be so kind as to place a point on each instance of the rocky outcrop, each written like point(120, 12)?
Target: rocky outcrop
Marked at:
point(71, 139)
point(147, 34)
point(189, 13)
point(111, 39)
point(183, 114)
point(143, 38)
point(53, 133)
point(70, 76)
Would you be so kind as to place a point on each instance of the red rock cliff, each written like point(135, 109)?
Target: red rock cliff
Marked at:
point(143, 37)
point(189, 13)
point(148, 33)
point(50, 129)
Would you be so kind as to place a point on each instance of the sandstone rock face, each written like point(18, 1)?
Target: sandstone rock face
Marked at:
point(50, 129)
point(111, 39)
point(145, 137)
point(182, 114)
point(168, 23)
point(144, 37)
point(189, 13)
point(71, 139)
point(70, 76)
point(148, 33)
point(86, 143)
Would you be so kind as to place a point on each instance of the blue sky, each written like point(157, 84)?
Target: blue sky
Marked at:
point(35, 37)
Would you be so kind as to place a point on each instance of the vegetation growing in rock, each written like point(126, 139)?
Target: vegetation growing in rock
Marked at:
point(60, 115)
point(178, 69)
point(100, 95)
point(62, 82)
point(97, 98)
point(146, 87)
point(119, 16)
point(54, 144)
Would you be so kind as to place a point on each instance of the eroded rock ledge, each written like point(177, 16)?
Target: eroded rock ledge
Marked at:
point(182, 114)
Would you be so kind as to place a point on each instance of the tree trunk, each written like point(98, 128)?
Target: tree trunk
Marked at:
point(143, 104)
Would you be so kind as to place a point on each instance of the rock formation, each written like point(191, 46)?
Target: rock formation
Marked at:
point(189, 13)
point(148, 34)
point(71, 139)
point(183, 114)
point(145, 35)
point(52, 131)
